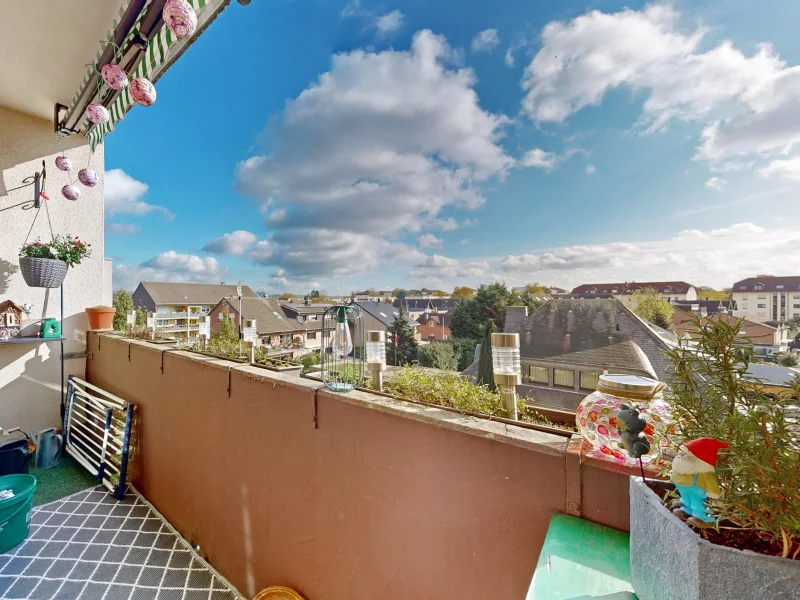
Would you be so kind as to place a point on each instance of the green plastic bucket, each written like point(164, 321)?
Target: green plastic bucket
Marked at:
point(15, 512)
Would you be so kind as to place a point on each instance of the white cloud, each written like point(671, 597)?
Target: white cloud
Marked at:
point(170, 266)
point(788, 169)
point(590, 169)
point(437, 268)
point(389, 23)
point(122, 228)
point(276, 216)
point(429, 240)
point(123, 195)
point(464, 242)
point(509, 58)
point(716, 184)
point(486, 41)
point(231, 243)
point(418, 142)
point(539, 159)
point(751, 104)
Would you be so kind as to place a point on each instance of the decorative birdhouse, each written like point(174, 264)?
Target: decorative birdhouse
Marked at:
point(10, 319)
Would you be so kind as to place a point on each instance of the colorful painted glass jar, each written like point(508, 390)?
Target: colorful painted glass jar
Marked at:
point(596, 416)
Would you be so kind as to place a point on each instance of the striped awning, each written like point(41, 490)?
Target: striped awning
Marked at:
point(162, 50)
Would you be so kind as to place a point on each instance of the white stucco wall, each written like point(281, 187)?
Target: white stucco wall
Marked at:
point(30, 375)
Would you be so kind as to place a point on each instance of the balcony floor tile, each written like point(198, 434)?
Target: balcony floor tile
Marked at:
point(79, 548)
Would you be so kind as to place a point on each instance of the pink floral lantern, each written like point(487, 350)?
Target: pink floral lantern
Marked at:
point(88, 177)
point(180, 17)
point(98, 114)
point(596, 417)
point(63, 163)
point(114, 77)
point(143, 91)
point(70, 192)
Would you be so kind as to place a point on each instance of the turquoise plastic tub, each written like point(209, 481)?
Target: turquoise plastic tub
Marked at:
point(15, 512)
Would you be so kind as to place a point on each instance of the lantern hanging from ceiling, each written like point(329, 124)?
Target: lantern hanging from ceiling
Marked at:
point(88, 177)
point(70, 192)
point(98, 114)
point(343, 348)
point(63, 163)
point(143, 91)
point(114, 76)
point(180, 17)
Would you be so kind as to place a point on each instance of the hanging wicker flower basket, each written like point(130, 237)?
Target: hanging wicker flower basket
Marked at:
point(43, 272)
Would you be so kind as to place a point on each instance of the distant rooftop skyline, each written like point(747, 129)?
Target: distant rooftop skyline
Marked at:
point(346, 144)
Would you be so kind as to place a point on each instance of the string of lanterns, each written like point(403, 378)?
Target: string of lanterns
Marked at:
point(181, 19)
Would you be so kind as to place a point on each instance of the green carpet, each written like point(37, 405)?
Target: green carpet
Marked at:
point(60, 481)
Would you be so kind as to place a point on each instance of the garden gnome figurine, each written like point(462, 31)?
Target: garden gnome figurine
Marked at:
point(693, 476)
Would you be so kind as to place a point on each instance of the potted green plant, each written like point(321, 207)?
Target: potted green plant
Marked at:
point(101, 318)
point(734, 533)
point(45, 264)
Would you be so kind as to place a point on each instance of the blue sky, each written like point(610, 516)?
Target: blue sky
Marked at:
point(307, 144)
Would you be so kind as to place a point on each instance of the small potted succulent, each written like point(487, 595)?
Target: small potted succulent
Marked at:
point(727, 525)
point(101, 318)
point(45, 264)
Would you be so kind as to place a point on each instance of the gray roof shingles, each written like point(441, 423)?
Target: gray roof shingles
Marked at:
point(191, 293)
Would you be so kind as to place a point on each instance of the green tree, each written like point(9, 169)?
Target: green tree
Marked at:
point(463, 292)
point(404, 350)
point(313, 294)
point(465, 350)
point(651, 307)
point(400, 294)
point(536, 288)
point(489, 303)
point(485, 369)
point(286, 296)
point(227, 330)
point(705, 292)
point(141, 317)
point(438, 355)
point(123, 302)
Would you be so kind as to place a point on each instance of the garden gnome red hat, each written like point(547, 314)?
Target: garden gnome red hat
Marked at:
point(706, 449)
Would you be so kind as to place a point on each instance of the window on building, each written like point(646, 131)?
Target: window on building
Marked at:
point(311, 335)
point(762, 296)
point(762, 306)
point(758, 286)
point(796, 306)
point(539, 374)
point(744, 306)
point(778, 287)
point(742, 287)
point(312, 317)
point(564, 378)
point(589, 380)
point(744, 296)
point(445, 338)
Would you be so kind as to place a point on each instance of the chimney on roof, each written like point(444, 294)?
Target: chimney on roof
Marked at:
point(222, 283)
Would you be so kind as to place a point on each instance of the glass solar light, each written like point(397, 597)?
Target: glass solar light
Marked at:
point(343, 348)
point(376, 357)
point(151, 325)
point(250, 335)
point(507, 369)
point(130, 319)
point(205, 330)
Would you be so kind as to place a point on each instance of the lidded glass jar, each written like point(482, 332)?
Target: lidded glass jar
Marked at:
point(596, 417)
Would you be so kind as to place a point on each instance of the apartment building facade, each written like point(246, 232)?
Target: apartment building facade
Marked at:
point(673, 291)
point(179, 306)
point(769, 298)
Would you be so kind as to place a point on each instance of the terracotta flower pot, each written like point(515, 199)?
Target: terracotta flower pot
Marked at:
point(101, 318)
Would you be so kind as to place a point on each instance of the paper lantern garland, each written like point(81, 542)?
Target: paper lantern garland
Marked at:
point(70, 192)
point(142, 91)
point(98, 114)
point(88, 177)
point(180, 17)
point(63, 163)
point(114, 77)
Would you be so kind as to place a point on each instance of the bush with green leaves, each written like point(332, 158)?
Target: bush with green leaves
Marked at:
point(711, 396)
point(454, 391)
point(308, 361)
point(438, 355)
point(69, 249)
point(787, 359)
point(123, 302)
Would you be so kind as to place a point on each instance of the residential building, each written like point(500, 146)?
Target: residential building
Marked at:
point(767, 298)
point(434, 326)
point(415, 307)
point(673, 291)
point(707, 307)
point(179, 306)
point(566, 344)
point(764, 338)
point(280, 326)
point(379, 315)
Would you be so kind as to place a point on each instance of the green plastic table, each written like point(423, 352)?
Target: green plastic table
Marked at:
point(582, 561)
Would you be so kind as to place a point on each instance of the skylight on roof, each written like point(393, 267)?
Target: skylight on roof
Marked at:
point(276, 314)
point(383, 314)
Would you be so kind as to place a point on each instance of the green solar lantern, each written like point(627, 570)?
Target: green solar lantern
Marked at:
point(343, 348)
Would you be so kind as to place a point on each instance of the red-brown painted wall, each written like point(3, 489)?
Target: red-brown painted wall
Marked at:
point(368, 504)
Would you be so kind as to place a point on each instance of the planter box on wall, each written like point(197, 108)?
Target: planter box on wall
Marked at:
point(669, 561)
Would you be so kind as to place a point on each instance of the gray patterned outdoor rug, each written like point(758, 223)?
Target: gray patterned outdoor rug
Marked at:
point(89, 546)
